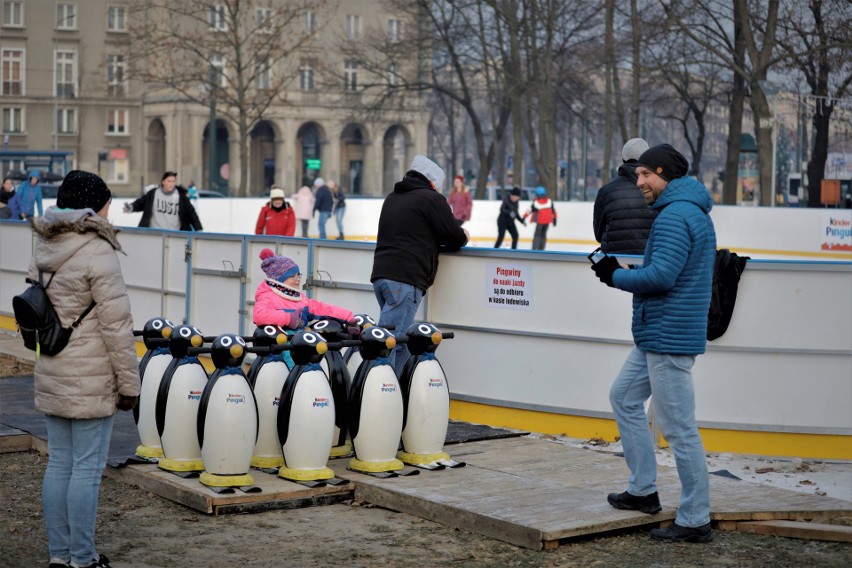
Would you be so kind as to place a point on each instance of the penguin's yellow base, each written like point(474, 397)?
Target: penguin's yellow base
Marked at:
point(415, 459)
point(213, 480)
point(264, 462)
point(375, 466)
point(144, 451)
point(181, 465)
point(305, 474)
point(341, 451)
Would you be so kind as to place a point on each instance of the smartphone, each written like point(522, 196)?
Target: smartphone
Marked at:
point(596, 256)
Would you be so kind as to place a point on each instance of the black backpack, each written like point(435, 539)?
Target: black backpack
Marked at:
point(726, 277)
point(40, 326)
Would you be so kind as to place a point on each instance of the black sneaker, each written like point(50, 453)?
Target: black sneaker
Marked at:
point(58, 563)
point(676, 533)
point(649, 504)
point(101, 562)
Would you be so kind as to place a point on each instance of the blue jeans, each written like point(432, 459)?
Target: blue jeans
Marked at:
point(399, 303)
point(669, 379)
point(77, 457)
point(338, 216)
point(323, 219)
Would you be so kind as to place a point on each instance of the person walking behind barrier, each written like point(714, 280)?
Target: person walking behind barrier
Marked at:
point(461, 200)
point(416, 223)
point(29, 197)
point(166, 206)
point(339, 207)
point(622, 219)
point(324, 204)
point(80, 388)
point(543, 213)
point(671, 299)
point(507, 217)
point(303, 206)
point(276, 216)
point(8, 203)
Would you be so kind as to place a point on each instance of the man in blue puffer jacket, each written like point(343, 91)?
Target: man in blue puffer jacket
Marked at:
point(671, 298)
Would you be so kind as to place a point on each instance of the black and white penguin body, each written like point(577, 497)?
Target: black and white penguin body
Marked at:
point(375, 406)
point(155, 335)
point(426, 398)
point(227, 422)
point(177, 402)
point(266, 377)
point(352, 355)
point(306, 413)
point(338, 377)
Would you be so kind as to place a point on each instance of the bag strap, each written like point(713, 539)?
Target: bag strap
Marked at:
point(77, 321)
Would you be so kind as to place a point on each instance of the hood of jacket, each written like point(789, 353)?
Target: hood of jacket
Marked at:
point(628, 171)
point(686, 189)
point(412, 180)
point(62, 232)
point(34, 174)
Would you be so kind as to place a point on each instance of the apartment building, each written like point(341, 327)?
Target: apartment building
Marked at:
point(80, 76)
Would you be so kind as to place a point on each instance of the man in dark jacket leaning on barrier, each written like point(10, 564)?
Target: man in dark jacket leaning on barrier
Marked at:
point(671, 298)
point(622, 219)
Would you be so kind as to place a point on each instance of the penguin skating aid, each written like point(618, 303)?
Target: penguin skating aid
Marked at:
point(227, 424)
point(352, 355)
point(177, 403)
point(306, 413)
point(155, 335)
point(426, 400)
point(266, 377)
point(338, 377)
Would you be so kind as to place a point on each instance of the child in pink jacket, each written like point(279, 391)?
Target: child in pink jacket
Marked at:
point(279, 300)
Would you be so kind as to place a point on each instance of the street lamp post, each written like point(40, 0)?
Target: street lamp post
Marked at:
point(212, 131)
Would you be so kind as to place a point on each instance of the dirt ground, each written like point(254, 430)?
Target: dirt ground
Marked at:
point(138, 529)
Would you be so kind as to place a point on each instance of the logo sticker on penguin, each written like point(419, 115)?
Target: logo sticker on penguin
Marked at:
point(236, 398)
point(194, 395)
point(320, 402)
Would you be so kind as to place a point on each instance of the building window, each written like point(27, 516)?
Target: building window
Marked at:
point(263, 72)
point(393, 74)
point(66, 120)
point(13, 13)
point(66, 16)
point(13, 72)
point(306, 77)
point(394, 30)
point(217, 69)
point(309, 22)
point(350, 75)
point(13, 120)
point(116, 73)
point(117, 19)
point(353, 26)
point(66, 74)
point(116, 121)
point(263, 17)
point(217, 18)
point(117, 166)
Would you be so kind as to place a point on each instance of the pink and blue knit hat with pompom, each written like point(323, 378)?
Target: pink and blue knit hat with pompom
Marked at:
point(278, 268)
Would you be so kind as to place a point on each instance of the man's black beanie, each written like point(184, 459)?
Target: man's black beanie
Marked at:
point(664, 161)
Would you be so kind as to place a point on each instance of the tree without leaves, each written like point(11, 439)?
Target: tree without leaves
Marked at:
point(246, 62)
point(816, 39)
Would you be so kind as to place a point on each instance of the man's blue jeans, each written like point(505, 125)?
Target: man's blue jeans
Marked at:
point(323, 219)
point(77, 457)
point(399, 303)
point(669, 379)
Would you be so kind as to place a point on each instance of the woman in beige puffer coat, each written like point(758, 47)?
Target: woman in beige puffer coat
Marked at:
point(81, 388)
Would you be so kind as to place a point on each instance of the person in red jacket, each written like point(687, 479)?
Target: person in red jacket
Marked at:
point(543, 214)
point(276, 217)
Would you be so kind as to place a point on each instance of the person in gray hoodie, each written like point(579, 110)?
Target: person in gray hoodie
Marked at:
point(80, 389)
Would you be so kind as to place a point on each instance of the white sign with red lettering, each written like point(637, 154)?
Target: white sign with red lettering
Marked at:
point(508, 286)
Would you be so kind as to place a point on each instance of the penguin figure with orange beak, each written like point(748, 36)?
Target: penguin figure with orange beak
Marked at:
point(155, 334)
point(266, 377)
point(227, 424)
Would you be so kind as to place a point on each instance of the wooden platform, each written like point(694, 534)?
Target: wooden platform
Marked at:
point(534, 493)
point(276, 493)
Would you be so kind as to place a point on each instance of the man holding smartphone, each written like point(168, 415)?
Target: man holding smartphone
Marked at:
point(671, 298)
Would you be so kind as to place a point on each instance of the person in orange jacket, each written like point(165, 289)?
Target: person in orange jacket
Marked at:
point(543, 213)
point(276, 217)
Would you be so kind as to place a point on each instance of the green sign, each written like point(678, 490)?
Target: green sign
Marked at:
point(313, 163)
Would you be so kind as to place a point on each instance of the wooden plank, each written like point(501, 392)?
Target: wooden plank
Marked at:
point(16, 443)
point(275, 491)
point(795, 529)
